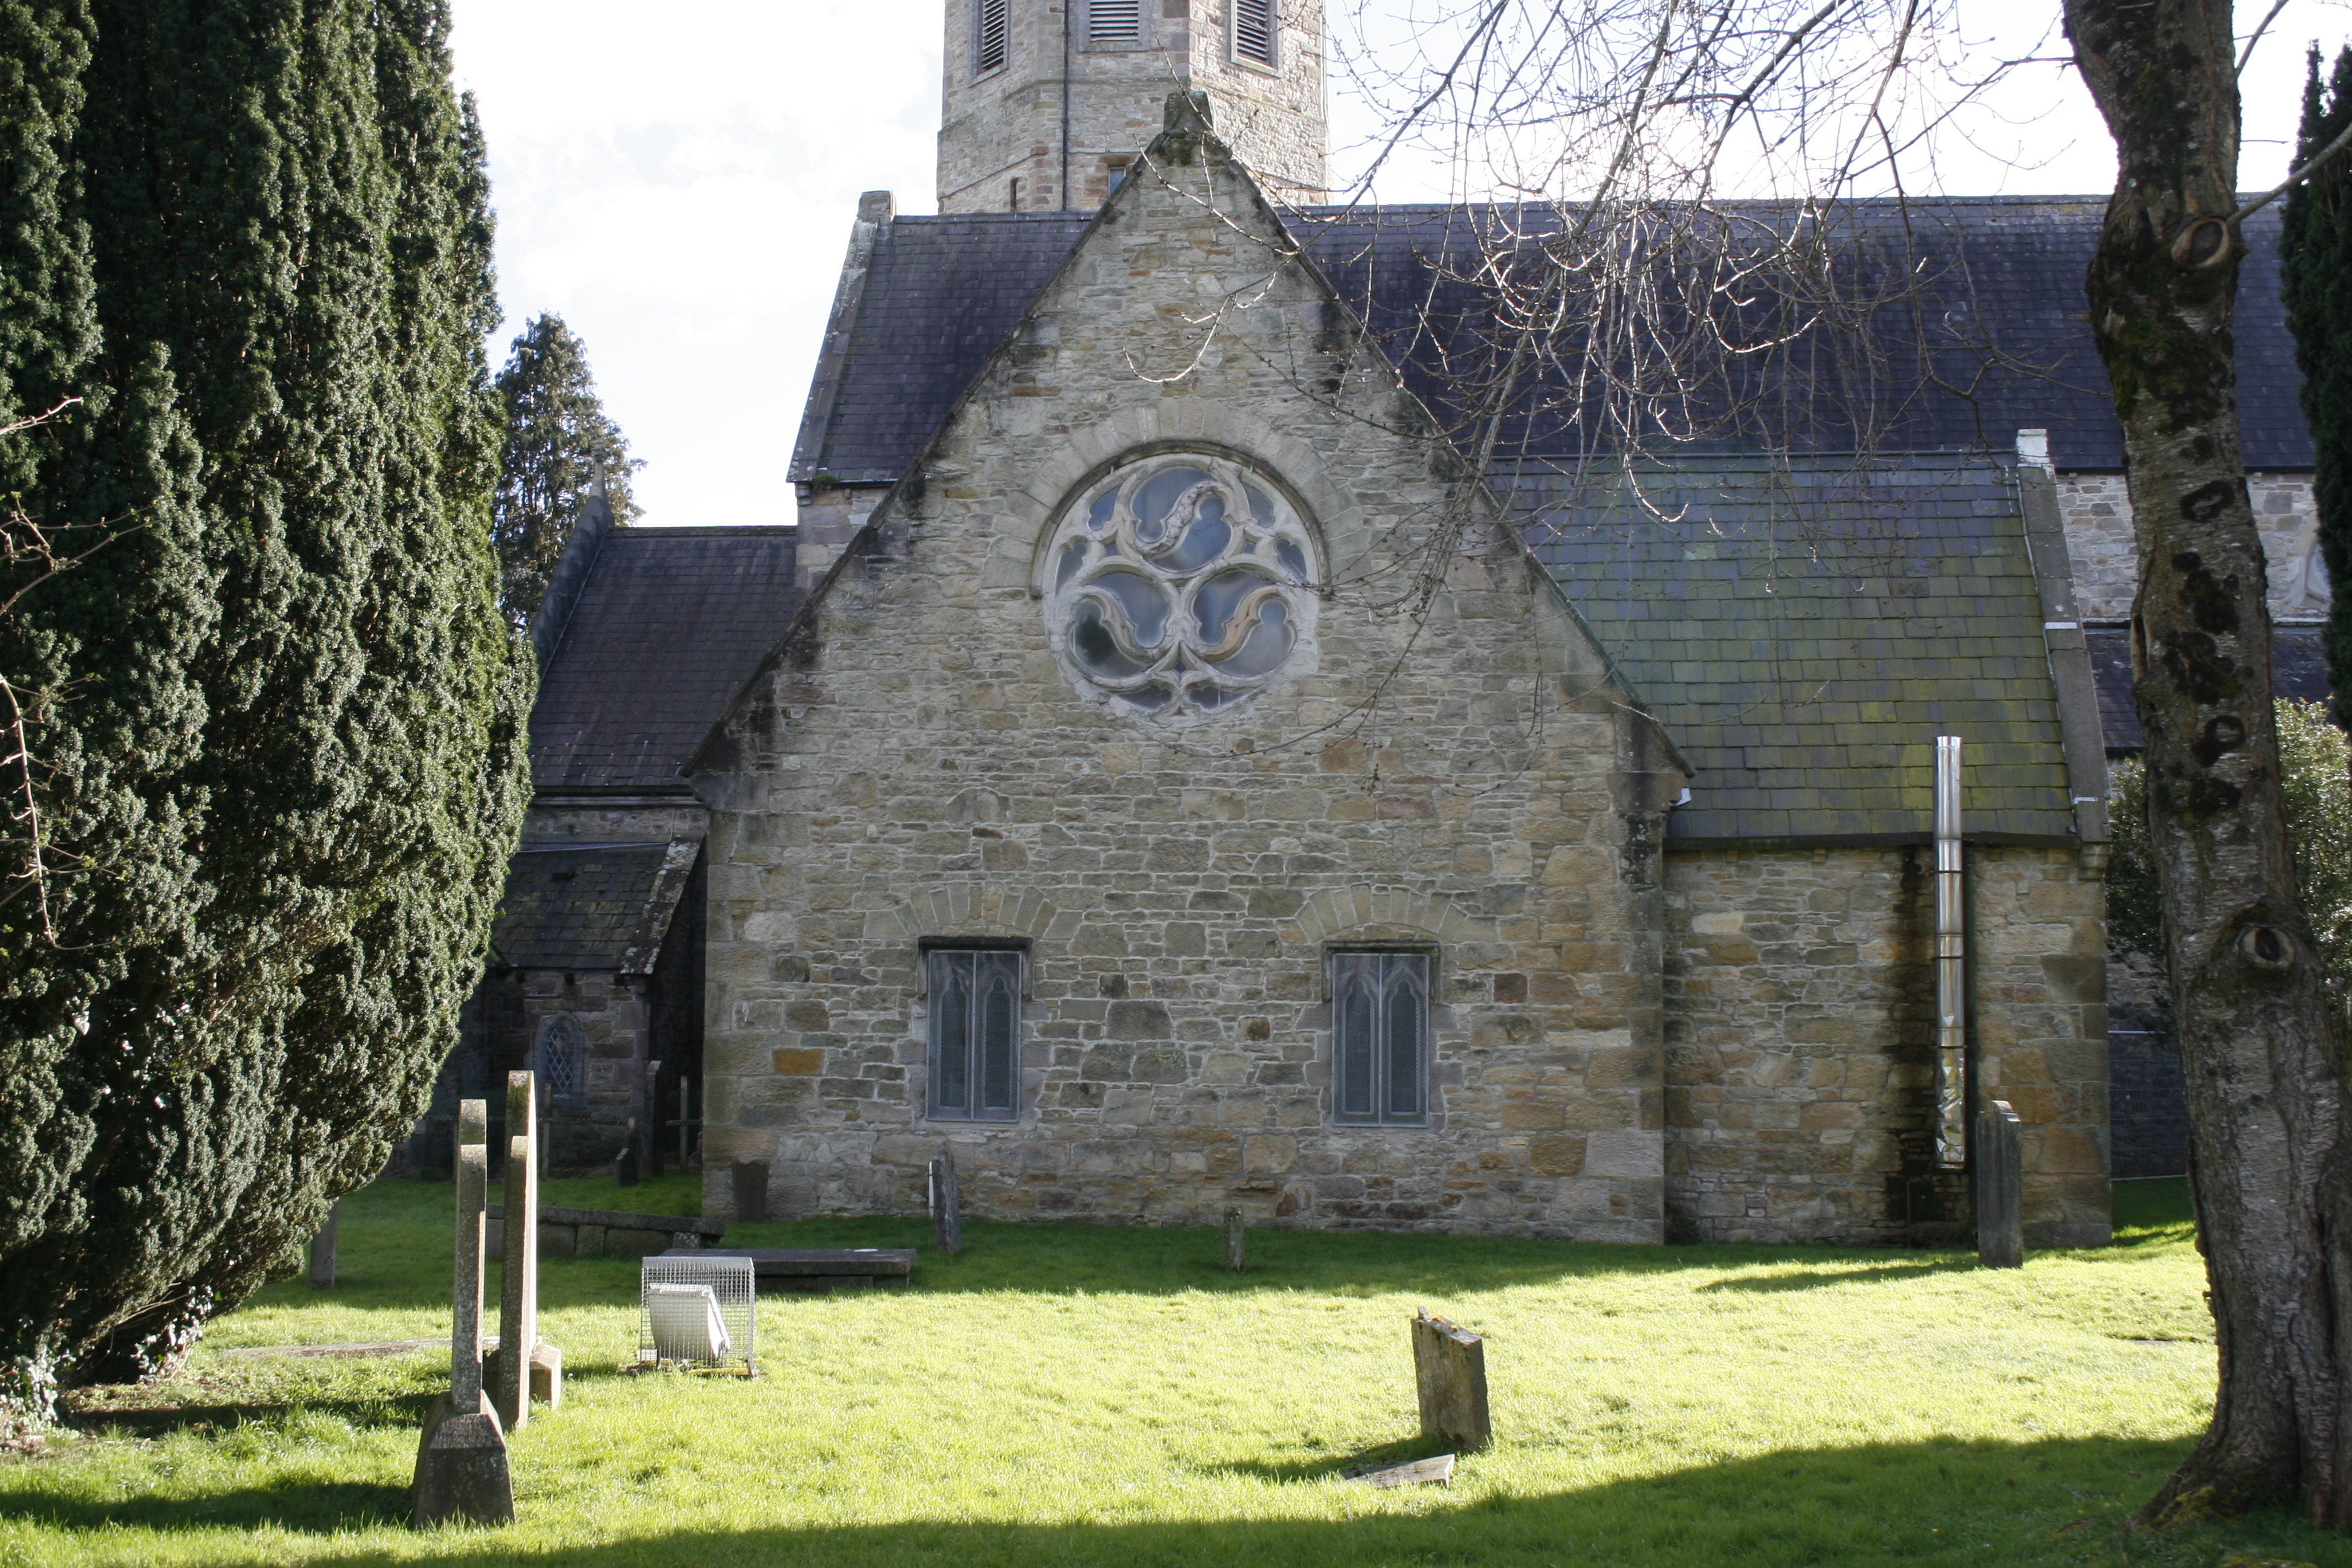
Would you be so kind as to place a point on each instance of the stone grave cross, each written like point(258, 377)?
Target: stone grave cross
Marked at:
point(535, 1370)
point(461, 1458)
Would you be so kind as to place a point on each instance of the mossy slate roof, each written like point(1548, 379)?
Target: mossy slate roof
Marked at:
point(1999, 284)
point(1805, 631)
point(573, 906)
point(669, 625)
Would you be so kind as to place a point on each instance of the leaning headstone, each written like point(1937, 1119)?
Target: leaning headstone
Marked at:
point(624, 1164)
point(461, 1458)
point(751, 1191)
point(518, 1265)
point(947, 1206)
point(1237, 1242)
point(1449, 1365)
point(322, 1251)
point(2000, 1187)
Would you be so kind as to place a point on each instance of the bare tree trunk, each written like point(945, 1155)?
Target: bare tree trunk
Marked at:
point(2260, 1036)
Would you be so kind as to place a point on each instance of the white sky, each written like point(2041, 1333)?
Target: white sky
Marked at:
point(681, 194)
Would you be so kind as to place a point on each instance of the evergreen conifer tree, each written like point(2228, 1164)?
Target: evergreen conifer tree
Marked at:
point(278, 760)
point(2315, 268)
point(559, 441)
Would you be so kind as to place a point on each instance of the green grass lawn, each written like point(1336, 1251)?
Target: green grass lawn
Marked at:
point(1068, 1395)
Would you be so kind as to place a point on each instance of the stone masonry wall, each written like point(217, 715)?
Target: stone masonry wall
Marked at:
point(1799, 1025)
point(2098, 516)
point(1009, 122)
point(1465, 779)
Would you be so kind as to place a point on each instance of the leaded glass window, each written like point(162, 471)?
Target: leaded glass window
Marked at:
point(1380, 1037)
point(1179, 586)
point(975, 1006)
point(561, 1061)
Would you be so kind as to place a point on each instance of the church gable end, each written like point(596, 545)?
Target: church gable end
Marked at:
point(1184, 793)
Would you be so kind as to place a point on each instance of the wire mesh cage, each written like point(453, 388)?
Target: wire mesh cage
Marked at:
point(698, 1311)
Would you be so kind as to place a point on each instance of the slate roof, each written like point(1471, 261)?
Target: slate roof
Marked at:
point(1805, 631)
point(2298, 670)
point(670, 623)
point(2003, 318)
point(573, 906)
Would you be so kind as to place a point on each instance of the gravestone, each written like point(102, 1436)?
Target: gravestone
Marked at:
point(1449, 1365)
point(461, 1458)
point(947, 1206)
point(1237, 1242)
point(322, 1251)
point(751, 1191)
point(624, 1164)
point(2000, 1187)
point(649, 1147)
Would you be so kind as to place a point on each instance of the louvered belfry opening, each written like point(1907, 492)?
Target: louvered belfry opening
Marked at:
point(1380, 1037)
point(975, 1033)
point(1115, 21)
point(1254, 31)
point(988, 35)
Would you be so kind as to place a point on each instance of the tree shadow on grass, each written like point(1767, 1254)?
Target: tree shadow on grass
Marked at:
point(1937, 1502)
point(213, 1417)
point(312, 1507)
point(1814, 1279)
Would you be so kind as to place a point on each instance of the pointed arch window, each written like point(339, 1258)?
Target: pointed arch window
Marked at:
point(1379, 1038)
point(975, 1047)
point(560, 1060)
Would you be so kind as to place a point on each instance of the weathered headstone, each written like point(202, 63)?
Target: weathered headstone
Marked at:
point(751, 1191)
point(649, 1147)
point(1449, 1365)
point(624, 1164)
point(1237, 1242)
point(2000, 1187)
point(322, 1251)
point(947, 1206)
point(461, 1458)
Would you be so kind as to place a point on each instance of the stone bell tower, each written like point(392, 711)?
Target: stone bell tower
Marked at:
point(1047, 101)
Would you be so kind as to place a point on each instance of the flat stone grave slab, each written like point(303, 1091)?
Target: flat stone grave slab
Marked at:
point(819, 1268)
point(600, 1233)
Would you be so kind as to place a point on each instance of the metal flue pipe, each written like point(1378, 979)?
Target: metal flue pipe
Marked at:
point(1951, 963)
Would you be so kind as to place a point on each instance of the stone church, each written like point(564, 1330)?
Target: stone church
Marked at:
point(1155, 763)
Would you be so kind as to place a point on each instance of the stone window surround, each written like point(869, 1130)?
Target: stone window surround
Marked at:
point(979, 21)
point(974, 1115)
point(1144, 39)
point(1304, 601)
point(1432, 974)
point(1233, 55)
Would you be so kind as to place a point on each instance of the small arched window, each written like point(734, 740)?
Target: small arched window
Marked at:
point(561, 1061)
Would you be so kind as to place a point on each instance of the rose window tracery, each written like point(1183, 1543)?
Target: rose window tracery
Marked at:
point(1180, 586)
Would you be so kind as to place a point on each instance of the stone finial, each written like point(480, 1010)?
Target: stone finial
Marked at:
point(2033, 448)
point(876, 206)
point(1189, 111)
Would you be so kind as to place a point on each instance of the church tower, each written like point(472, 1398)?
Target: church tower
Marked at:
point(1047, 101)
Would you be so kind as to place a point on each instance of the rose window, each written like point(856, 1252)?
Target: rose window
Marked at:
point(1179, 586)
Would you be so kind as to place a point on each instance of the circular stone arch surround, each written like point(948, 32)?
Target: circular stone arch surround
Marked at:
point(1178, 579)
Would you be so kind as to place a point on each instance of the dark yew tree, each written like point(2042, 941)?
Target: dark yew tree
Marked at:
point(2315, 267)
point(559, 444)
point(274, 759)
point(2261, 1038)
